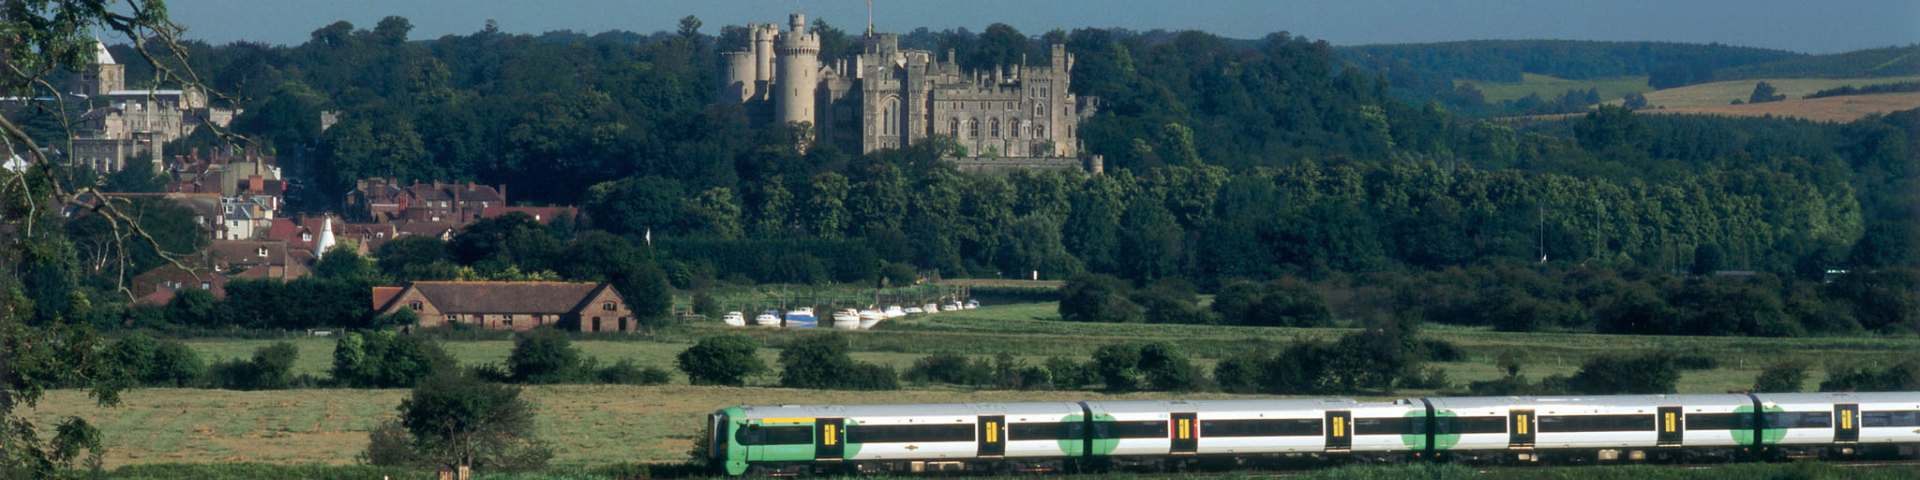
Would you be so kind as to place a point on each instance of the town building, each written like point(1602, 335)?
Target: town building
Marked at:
point(385, 199)
point(887, 97)
point(584, 307)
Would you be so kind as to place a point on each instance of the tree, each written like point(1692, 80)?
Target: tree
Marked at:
point(271, 368)
point(1615, 375)
point(689, 26)
point(544, 356)
point(457, 420)
point(385, 359)
point(1763, 92)
point(343, 262)
point(157, 364)
point(1118, 366)
point(1098, 298)
point(821, 361)
point(727, 359)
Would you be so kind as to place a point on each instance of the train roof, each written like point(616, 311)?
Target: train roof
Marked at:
point(1150, 406)
point(926, 409)
point(1839, 397)
point(1732, 400)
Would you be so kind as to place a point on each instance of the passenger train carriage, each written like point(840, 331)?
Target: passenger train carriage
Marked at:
point(800, 439)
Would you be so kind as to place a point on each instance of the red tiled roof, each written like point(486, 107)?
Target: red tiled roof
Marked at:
point(384, 295)
point(508, 297)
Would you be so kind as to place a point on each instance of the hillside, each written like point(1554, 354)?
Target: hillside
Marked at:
point(1719, 94)
point(1871, 63)
point(1506, 60)
point(1549, 86)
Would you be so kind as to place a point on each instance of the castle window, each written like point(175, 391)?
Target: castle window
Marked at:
point(1039, 110)
point(953, 127)
point(993, 128)
point(1039, 131)
point(973, 128)
point(983, 105)
point(1013, 127)
point(890, 117)
point(1043, 92)
point(1011, 105)
point(1069, 131)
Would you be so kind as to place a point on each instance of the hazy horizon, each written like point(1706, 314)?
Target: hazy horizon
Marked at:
point(1806, 27)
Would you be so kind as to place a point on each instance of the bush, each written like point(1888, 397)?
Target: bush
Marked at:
point(1613, 375)
point(1032, 377)
point(155, 363)
point(1781, 377)
point(270, 369)
point(1695, 361)
point(950, 368)
point(1098, 298)
point(721, 360)
point(1290, 302)
point(456, 419)
point(704, 304)
point(1430, 378)
point(626, 372)
point(1117, 366)
point(1171, 300)
point(1239, 374)
point(1442, 351)
point(821, 361)
point(1069, 374)
point(388, 446)
point(386, 359)
point(1904, 376)
point(1167, 369)
point(544, 356)
point(404, 317)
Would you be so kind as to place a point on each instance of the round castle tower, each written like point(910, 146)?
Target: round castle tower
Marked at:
point(739, 85)
point(799, 72)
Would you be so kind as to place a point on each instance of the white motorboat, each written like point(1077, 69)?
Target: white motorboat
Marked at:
point(950, 306)
point(930, 308)
point(846, 319)
point(736, 319)
point(915, 311)
point(971, 304)
point(869, 318)
point(769, 318)
point(893, 312)
point(802, 318)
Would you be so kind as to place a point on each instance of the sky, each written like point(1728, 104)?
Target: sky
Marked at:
point(1808, 26)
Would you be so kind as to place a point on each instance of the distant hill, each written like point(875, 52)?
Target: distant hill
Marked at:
point(1506, 60)
point(1878, 62)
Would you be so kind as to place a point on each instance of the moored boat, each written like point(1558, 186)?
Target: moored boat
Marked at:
point(869, 318)
point(846, 319)
point(769, 318)
point(736, 319)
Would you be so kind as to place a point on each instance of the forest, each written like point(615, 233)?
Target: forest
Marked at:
point(1227, 160)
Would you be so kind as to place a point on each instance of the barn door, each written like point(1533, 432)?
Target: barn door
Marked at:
point(1669, 424)
point(1846, 422)
point(1522, 430)
point(1185, 433)
point(829, 443)
point(993, 435)
point(1339, 430)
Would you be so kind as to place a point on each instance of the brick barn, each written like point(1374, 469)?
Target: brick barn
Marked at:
point(584, 307)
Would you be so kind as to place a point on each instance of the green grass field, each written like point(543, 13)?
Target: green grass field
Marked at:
point(603, 424)
point(1611, 88)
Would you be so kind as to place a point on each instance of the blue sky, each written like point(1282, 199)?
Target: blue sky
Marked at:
point(1799, 25)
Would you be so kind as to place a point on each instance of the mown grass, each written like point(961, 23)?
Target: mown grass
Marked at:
point(1611, 88)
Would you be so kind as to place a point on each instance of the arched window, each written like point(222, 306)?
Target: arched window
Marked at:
point(1039, 110)
point(953, 127)
point(1013, 127)
point(890, 116)
point(973, 128)
point(1039, 131)
point(993, 128)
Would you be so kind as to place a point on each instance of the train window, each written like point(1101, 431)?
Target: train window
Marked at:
point(1719, 421)
point(1462, 425)
point(1298, 427)
point(1908, 418)
point(951, 432)
point(1147, 429)
point(797, 435)
point(1799, 419)
point(1389, 426)
point(1596, 423)
point(1043, 431)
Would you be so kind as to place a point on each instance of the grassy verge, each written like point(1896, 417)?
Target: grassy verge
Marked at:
point(1800, 470)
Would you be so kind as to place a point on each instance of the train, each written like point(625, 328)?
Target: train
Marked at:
point(1157, 435)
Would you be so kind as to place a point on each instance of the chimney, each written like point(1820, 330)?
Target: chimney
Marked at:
point(503, 194)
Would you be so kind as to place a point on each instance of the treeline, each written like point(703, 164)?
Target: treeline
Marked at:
point(1866, 90)
point(1505, 60)
point(1869, 63)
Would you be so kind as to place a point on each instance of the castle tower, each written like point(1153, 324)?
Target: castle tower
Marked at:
point(739, 82)
point(798, 72)
point(105, 75)
point(763, 52)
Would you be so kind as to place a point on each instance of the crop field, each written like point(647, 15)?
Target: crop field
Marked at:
point(1611, 88)
point(1720, 94)
point(1830, 109)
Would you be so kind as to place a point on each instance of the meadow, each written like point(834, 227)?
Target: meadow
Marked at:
point(1718, 94)
point(591, 425)
point(1548, 87)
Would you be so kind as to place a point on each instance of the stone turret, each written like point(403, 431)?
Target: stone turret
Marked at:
point(798, 72)
point(739, 83)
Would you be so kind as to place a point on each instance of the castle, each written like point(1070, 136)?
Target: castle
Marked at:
point(1010, 118)
point(127, 123)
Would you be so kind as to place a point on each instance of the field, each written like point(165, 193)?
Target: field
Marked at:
point(1830, 109)
point(1720, 94)
point(1613, 88)
point(602, 424)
